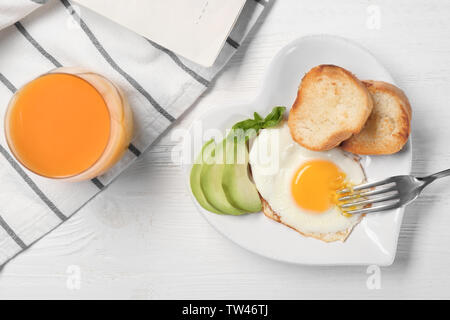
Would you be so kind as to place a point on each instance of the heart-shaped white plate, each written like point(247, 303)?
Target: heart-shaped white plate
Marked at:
point(374, 240)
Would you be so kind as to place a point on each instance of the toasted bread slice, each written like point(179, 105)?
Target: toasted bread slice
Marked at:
point(331, 106)
point(327, 237)
point(388, 127)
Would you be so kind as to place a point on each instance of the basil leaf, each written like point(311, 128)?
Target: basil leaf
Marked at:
point(246, 124)
point(257, 116)
point(276, 114)
point(258, 123)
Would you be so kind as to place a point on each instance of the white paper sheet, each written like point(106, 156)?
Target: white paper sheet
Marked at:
point(195, 29)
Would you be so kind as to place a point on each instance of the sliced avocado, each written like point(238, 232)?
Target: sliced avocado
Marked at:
point(211, 181)
point(240, 191)
point(207, 149)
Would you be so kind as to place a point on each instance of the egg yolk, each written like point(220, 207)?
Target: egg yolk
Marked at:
point(315, 184)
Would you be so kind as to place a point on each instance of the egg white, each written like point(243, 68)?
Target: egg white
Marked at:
point(275, 158)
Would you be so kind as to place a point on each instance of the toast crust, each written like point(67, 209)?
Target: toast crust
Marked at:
point(326, 237)
point(384, 133)
point(300, 118)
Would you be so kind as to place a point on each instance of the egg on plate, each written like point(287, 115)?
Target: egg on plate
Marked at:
point(298, 186)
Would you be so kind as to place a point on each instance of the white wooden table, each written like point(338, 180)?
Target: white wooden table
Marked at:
point(142, 238)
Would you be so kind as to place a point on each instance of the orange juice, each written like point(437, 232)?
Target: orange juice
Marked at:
point(69, 123)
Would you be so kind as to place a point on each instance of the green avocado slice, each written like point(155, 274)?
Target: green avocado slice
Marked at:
point(196, 170)
point(240, 191)
point(211, 181)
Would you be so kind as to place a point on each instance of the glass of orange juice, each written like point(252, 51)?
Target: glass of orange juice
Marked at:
point(69, 124)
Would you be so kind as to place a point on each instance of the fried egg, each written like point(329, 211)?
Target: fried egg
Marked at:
point(299, 186)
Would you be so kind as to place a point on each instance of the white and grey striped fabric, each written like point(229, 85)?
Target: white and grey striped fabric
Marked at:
point(37, 36)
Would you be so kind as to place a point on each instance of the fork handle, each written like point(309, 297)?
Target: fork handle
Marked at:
point(434, 176)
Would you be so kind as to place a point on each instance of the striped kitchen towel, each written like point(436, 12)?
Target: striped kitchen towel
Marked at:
point(37, 36)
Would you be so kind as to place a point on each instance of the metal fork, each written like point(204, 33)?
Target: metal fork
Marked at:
point(391, 193)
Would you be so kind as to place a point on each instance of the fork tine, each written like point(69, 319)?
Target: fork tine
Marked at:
point(367, 201)
point(375, 209)
point(366, 194)
point(366, 186)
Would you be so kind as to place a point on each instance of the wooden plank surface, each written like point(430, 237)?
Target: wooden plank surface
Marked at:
point(142, 238)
